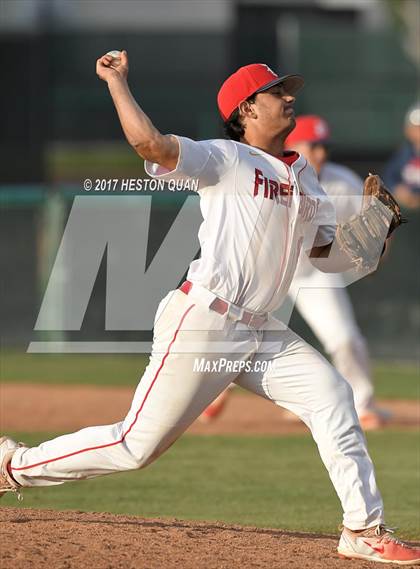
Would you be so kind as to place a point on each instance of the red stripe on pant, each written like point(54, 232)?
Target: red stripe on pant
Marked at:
point(137, 414)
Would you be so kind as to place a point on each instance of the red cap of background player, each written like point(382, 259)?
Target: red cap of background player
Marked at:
point(309, 128)
point(252, 79)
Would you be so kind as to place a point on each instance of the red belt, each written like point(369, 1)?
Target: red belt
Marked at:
point(221, 306)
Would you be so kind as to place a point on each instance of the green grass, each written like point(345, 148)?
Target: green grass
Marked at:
point(397, 381)
point(392, 380)
point(263, 481)
point(79, 369)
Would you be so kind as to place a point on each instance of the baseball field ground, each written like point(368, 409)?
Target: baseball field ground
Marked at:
point(247, 490)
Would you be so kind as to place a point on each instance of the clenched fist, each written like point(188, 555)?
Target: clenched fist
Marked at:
point(108, 67)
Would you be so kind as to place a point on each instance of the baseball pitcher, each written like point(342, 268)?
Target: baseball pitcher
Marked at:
point(261, 207)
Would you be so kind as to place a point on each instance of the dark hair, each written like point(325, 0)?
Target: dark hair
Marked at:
point(233, 127)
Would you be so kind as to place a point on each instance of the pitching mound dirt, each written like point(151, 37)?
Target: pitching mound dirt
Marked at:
point(32, 539)
point(29, 407)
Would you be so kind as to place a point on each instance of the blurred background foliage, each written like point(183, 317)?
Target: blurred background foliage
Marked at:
point(360, 60)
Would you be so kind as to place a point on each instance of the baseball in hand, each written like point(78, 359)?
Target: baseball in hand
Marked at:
point(116, 56)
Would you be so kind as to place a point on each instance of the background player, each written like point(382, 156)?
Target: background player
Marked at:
point(320, 297)
point(402, 173)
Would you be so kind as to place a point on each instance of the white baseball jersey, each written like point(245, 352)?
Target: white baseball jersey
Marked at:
point(345, 190)
point(259, 212)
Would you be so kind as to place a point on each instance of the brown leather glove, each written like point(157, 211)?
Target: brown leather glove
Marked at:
point(363, 236)
point(374, 186)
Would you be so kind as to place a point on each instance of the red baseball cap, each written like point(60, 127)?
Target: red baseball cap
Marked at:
point(251, 79)
point(309, 128)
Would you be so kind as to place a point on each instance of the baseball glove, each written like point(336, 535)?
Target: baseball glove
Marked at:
point(363, 236)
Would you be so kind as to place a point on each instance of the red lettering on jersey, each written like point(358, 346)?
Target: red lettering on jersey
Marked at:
point(284, 189)
point(258, 180)
point(286, 194)
point(308, 206)
point(273, 189)
point(266, 194)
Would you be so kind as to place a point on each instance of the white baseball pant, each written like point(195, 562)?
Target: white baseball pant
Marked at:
point(324, 303)
point(171, 395)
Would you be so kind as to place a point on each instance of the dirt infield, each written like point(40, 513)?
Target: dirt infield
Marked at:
point(32, 539)
point(70, 540)
point(28, 407)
